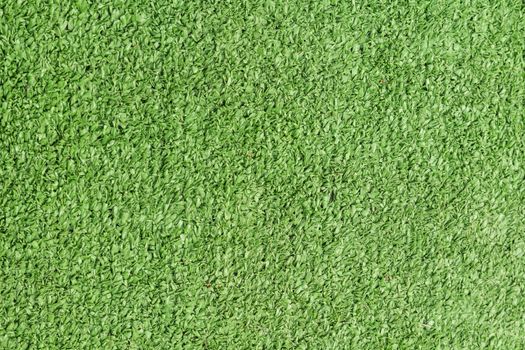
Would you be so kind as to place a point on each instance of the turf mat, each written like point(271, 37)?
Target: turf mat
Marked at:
point(262, 174)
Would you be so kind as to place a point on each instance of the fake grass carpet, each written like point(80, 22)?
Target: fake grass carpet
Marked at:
point(262, 175)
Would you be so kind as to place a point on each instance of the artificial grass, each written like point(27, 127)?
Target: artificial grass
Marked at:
point(262, 174)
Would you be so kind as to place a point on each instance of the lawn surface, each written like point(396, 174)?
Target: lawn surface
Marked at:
point(262, 174)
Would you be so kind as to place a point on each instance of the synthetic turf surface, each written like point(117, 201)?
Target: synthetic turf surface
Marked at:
point(262, 174)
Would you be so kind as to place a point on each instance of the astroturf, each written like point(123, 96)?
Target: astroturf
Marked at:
point(262, 174)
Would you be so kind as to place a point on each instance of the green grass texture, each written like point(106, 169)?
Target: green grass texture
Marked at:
point(262, 174)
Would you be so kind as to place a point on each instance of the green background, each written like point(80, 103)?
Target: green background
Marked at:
point(262, 174)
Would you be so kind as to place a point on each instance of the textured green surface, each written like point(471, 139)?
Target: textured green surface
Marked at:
point(262, 175)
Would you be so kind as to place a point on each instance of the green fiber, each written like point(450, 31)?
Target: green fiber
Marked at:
point(262, 174)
